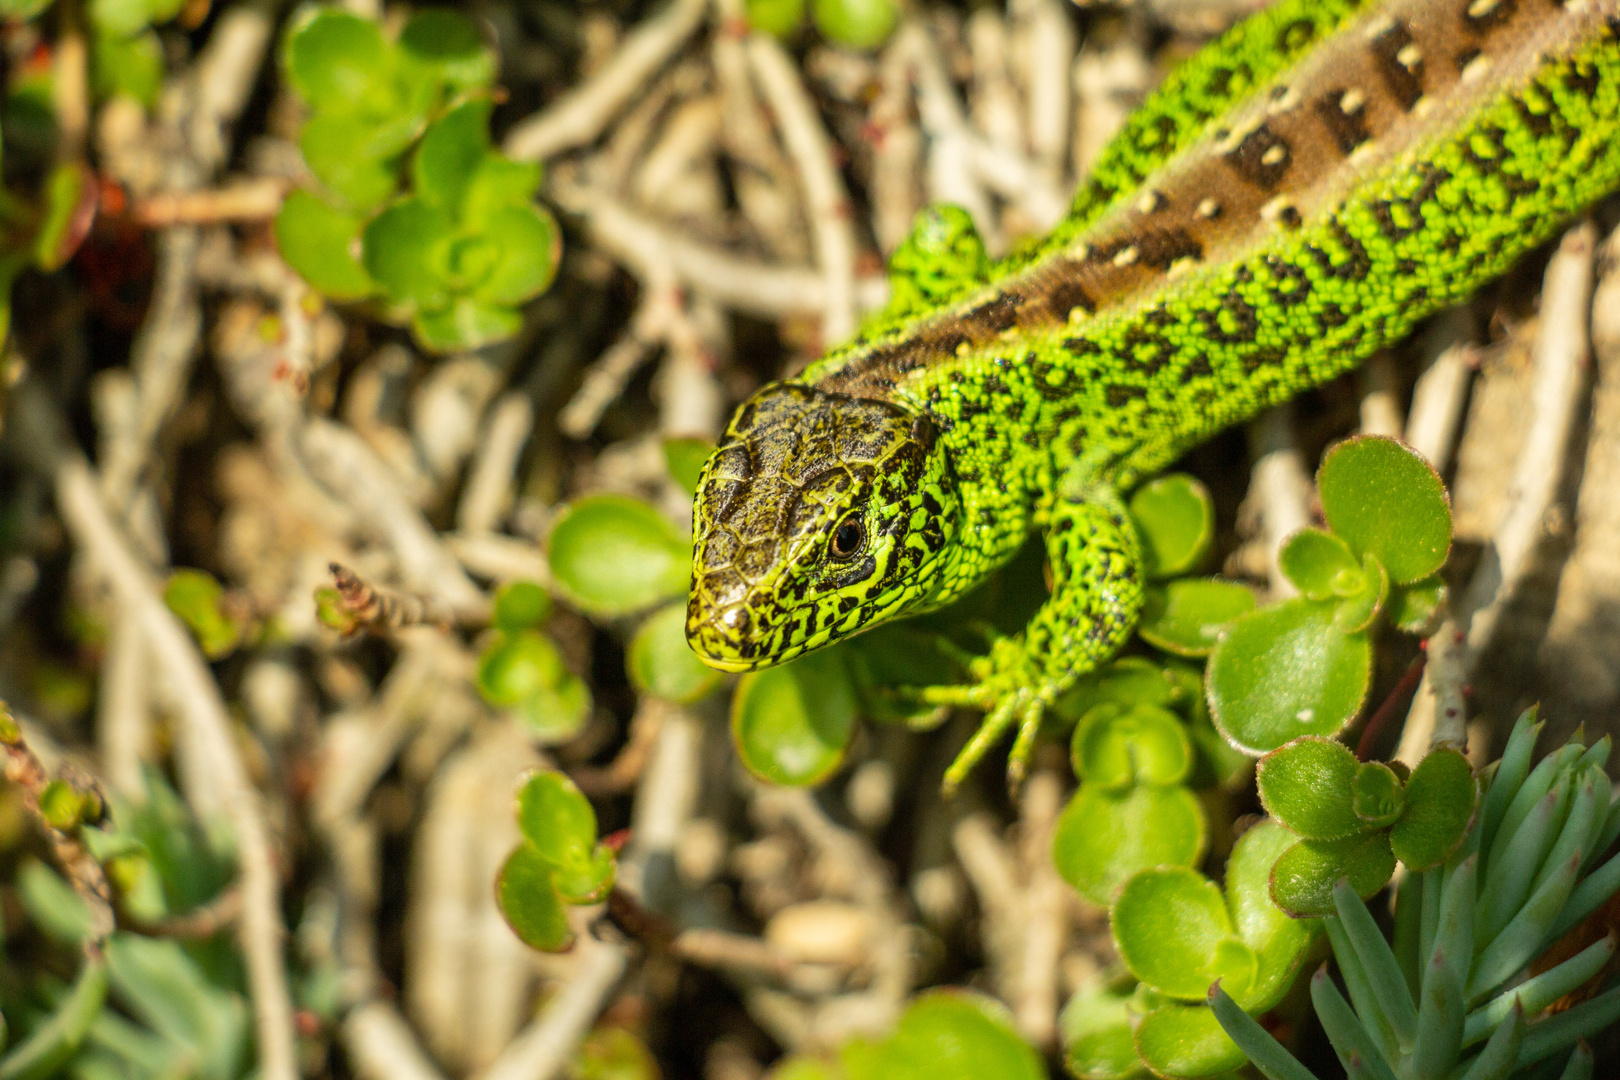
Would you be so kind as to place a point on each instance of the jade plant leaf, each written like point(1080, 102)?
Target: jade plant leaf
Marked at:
point(1307, 785)
point(1377, 795)
point(661, 663)
point(452, 149)
point(792, 724)
point(1186, 1041)
point(1302, 879)
point(556, 817)
point(1356, 612)
point(1280, 941)
point(1117, 747)
point(855, 24)
point(947, 1035)
point(1103, 837)
point(1385, 500)
point(1175, 520)
point(520, 605)
point(612, 555)
point(779, 18)
point(1321, 565)
point(1095, 1029)
point(1168, 923)
point(336, 60)
point(1413, 608)
point(529, 901)
point(320, 242)
point(446, 46)
point(405, 252)
point(1187, 616)
point(195, 596)
point(1286, 671)
point(524, 671)
point(1439, 806)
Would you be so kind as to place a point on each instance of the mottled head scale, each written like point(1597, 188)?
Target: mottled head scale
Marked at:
point(818, 515)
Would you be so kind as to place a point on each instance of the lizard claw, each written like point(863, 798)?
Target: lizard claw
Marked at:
point(1012, 693)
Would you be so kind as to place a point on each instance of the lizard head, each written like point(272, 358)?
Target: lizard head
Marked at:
point(819, 515)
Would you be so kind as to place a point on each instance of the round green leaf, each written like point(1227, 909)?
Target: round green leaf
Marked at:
point(451, 150)
point(1280, 942)
point(335, 60)
point(588, 882)
point(1302, 879)
point(778, 18)
point(685, 459)
point(448, 46)
point(855, 24)
point(1168, 923)
point(498, 183)
point(1321, 565)
point(321, 243)
point(517, 665)
point(1384, 499)
point(661, 663)
point(520, 605)
point(947, 1034)
point(1377, 797)
point(530, 903)
point(612, 555)
point(195, 596)
point(131, 66)
point(1440, 798)
point(1186, 1041)
point(527, 247)
point(1103, 837)
point(1117, 747)
point(1129, 680)
point(1306, 785)
point(1188, 615)
point(557, 819)
point(1286, 671)
point(335, 149)
point(465, 323)
point(1356, 613)
point(1413, 608)
point(1175, 520)
point(792, 724)
point(1095, 1030)
point(403, 247)
point(524, 671)
point(556, 711)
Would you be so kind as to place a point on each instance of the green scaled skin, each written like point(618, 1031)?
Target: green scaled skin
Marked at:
point(1298, 195)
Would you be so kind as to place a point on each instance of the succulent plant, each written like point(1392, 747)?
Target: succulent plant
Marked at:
point(1469, 989)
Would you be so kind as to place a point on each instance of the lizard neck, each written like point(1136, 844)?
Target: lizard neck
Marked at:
point(1390, 80)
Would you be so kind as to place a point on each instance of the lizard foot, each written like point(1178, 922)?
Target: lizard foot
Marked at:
point(1010, 688)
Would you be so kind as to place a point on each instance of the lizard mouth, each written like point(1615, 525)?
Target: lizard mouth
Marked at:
point(719, 635)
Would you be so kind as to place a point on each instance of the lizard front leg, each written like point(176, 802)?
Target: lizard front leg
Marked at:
point(1095, 561)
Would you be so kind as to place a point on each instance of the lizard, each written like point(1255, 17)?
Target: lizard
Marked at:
point(1298, 194)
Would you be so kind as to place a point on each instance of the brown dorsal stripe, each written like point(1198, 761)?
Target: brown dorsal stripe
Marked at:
point(1403, 77)
point(1282, 158)
point(1349, 129)
point(1261, 157)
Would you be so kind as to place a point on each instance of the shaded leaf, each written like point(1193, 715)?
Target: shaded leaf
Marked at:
point(529, 901)
point(1104, 837)
point(1321, 565)
point(1168, 923)
point(1186, 1041)
point(1440, 799)
point(661, 663)
point(1188, 615)
point(1383, 499)
point(792, 724)
point(1117, 747)
point(1175, 520)
point(1303, 878)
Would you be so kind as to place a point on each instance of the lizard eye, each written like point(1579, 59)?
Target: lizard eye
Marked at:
point(848, 538)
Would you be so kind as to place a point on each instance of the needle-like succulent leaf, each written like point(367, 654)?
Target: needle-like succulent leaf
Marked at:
point(1383, 973)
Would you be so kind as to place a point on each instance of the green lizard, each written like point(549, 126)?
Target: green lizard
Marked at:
point(1295, 196)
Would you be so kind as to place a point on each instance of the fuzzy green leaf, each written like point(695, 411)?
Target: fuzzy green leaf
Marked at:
point(1118, 747)
point(527, 247)
point(1188, 615)
point(661, 663)
point(1095, 1030)
point(1186, 1041)
point(1302, 880)
point(1413, 608)
point(1307, 785)
point(322, 244)
point(792, 724)
point(1321, 565)
point(1440, 798)
point(1286, 671)
point(947, 1034)
point(1103, 837)
point(336, 60)
point(1385, 500)
point(529, 901)
point(451, 150)
point(1175, 520)
point(1357, 612)
point(1279, 941)
point(1377, 796)
point(1168, 924)
point(557, 819)
point(613, 555)
point(404, 250)
point(520, 605)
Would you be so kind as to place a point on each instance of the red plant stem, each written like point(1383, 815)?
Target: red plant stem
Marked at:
point(1400, 695)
